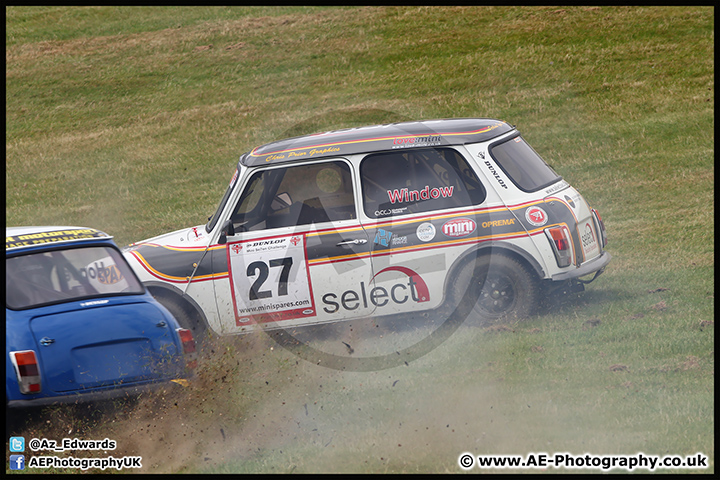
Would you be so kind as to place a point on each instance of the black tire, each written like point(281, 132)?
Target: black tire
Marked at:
point(511, 290)
point(504, 288)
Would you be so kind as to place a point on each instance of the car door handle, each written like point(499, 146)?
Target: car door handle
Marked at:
point(356, 241)
point(45, 341)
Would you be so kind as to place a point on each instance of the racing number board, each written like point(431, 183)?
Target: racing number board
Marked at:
point(270, 280)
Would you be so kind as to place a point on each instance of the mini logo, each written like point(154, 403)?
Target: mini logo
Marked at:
point(17, 444)
point(460, 227)
point(17, 462)
point(425, 231)
point(536, 216)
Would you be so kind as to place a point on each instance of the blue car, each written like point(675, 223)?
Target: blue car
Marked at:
point(79, 324)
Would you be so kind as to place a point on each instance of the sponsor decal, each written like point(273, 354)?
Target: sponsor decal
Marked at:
point(93, 303)
point(589, 242)
point(427, 193)
point(557, 187)
point(536, 216)
point(195, 234)
point(499, 223)
point(425, 232)
point(570, 201)
point(414, 289)
point(298, 154)
point(102, 274)
point(49, 237)
point(459, 227)
point(399, 240)
point(390, 211)
point(382, 237)
point(401, 142)
point(267, 245)
point(495, 174)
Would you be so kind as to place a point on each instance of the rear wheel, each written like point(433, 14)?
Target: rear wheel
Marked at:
point(511, 290)
point(499, 287)
point(186, 319)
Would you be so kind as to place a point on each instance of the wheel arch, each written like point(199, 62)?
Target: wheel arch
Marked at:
point(495, 248)
point(170, 293)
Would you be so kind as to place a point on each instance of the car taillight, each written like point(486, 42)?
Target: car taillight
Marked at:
point(562, 244)
point(601, 224)
point(188, 344)
point(27, 371)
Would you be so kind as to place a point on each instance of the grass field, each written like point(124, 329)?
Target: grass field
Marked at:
point(130, 119)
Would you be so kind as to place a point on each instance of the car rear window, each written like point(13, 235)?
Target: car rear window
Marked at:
point(43, 278)
point(525, 168)
point(418, 180)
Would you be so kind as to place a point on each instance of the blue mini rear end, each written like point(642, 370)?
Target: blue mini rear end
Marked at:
point(79, 324)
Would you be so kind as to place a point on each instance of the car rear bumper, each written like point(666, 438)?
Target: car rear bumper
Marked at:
point(91, 396)
point(592, 266)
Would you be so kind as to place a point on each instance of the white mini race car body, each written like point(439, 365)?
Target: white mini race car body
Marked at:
point(377, 221)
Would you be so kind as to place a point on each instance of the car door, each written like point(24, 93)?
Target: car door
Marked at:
point(421, 207)
point(298, 253)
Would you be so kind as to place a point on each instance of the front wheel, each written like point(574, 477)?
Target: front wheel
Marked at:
point(511, 290)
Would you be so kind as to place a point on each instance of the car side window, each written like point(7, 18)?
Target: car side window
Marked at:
point(412, 181)
point(527, 170)
point(297, 195)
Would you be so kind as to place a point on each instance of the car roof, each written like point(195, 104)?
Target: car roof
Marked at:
point(23, 237)
point(392, 136)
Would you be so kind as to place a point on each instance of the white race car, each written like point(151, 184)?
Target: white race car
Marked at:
point(376, 221)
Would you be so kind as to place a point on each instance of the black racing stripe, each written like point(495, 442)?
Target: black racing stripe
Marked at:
point(389, 236)
point(173, 262)
point(386, 237)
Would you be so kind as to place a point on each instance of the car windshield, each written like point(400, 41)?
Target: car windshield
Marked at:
point(525, 168)
point(212, 221)
point(57, 276)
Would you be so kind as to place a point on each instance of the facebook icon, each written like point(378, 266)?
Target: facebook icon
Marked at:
point(17, 462)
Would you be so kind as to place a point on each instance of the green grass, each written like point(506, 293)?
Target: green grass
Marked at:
point(130, 120)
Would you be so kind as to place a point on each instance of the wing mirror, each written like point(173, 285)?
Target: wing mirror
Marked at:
point(227, 229)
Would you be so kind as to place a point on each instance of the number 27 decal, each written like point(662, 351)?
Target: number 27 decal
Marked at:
point(261, 269)
point(270, 280)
